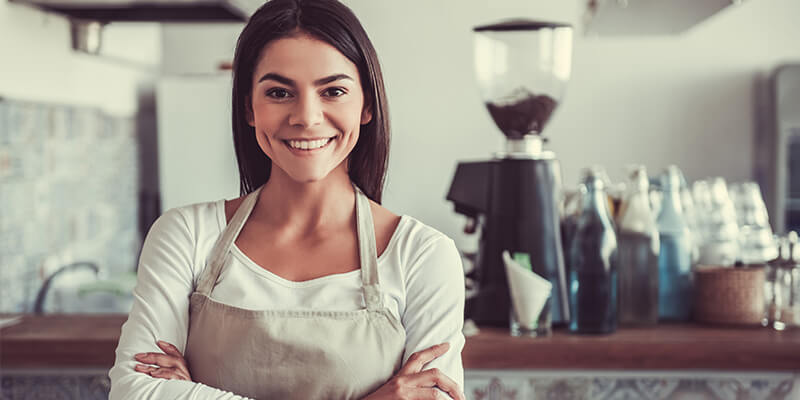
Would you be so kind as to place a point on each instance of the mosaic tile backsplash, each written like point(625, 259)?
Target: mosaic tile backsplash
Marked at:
point(486, 385)
point(68, 192)
point(529, 385)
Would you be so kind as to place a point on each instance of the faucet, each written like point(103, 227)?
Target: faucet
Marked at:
point(38, 307)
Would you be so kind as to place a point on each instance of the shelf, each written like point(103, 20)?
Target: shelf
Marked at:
point(90, 340)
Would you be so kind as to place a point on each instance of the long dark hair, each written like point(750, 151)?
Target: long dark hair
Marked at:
point(334, 23)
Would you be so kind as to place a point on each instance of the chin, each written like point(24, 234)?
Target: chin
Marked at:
point(310, 176)
point(313, 172)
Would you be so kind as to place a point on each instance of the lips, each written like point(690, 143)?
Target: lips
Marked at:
point(312, 146)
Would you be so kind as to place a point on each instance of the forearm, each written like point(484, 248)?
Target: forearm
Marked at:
point(160, 312)
point(134, 385)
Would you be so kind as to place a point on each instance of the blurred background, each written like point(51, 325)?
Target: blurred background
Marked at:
point(96, 143)
point(103, 127)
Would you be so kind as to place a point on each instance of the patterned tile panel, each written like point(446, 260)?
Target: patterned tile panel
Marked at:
point(66, 387)
point(68, 184)
point(537, 385)
point(481, 385)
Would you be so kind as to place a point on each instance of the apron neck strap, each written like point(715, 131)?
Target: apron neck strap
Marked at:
point(366, 246)
point(368, 252)
point(220, 251)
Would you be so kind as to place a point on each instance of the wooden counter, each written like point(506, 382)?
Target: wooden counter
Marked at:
point(57, 341)
point(665, 347)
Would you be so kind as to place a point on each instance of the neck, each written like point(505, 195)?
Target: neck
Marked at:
point(597, 200)
point(306, 209)
point(672, 199)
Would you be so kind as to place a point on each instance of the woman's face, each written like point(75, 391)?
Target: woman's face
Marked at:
point(307, 107)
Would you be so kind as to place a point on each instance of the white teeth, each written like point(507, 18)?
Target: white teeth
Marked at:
point(309, 144)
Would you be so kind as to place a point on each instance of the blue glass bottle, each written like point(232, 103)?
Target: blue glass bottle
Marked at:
point(675, 258)
point(593, 262)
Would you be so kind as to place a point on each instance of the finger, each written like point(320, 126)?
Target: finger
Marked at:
point(435, 377)
point(173, 373)
point(420, 358)
point(162, 360)
point(167, 373)
point(183, 375)
point(144, 368)
point(425, 394)
point(170, 349)
point(153, 371)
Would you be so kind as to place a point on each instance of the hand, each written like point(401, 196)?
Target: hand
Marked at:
point(169, 366)
point(410, 383)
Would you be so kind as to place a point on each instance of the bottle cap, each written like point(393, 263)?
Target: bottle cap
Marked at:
point(671, 179)
point(595, 177)
point(637, 177)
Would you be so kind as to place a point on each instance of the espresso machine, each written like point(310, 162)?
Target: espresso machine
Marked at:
point(513, 199)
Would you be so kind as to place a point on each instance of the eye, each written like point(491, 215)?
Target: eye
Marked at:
point(278, 93)
point(335, 92)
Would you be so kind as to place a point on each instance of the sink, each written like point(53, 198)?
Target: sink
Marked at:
point(81, 292)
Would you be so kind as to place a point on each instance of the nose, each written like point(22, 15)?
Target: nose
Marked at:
point(307, 112)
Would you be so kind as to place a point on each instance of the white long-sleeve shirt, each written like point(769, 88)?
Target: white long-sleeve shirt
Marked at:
point(420, 273)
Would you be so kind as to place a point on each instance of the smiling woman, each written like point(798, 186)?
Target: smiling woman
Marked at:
point(290, 104)
point(345, 66)
point(304, 287)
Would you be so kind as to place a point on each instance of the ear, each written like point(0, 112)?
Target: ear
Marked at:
point(366, 115)
point(248, 110)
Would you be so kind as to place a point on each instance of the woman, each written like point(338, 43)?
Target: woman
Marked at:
point(305, 287)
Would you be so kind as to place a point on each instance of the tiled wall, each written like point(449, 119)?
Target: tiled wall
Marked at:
point(68, 187)
point(61, 385)
point(491, 385)
point(623, 385)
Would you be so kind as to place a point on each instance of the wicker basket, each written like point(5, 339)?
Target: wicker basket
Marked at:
point(727, 295)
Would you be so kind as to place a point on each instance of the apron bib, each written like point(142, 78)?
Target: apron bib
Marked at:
point(283, 354)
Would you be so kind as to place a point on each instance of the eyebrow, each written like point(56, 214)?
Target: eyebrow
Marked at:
point(319, 82)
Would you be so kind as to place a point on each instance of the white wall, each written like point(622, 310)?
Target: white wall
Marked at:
point(193, 48)
point(684, 99)
point(192, 170)
point(38, 63)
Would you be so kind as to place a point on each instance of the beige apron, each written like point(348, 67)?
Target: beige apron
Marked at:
point(284, 354)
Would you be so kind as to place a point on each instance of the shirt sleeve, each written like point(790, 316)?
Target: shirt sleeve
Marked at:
point(434, 311)
point(160, 311)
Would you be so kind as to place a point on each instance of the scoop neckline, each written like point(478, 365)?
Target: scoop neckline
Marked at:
point(255, 267)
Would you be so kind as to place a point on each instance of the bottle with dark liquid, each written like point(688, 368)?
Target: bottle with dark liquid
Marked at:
point(638, 254)
point(675, 257)
point(569, 221)
point(593, 262)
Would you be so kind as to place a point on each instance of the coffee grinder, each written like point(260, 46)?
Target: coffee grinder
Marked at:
point(513, 199)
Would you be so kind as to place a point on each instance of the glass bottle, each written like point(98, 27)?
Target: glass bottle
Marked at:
point(593, 258)
point(755, 233)
point(639, 247)
point(675, 256)
point(569, 221)
point(790, 312)
point(690, 215)
point(774, 286)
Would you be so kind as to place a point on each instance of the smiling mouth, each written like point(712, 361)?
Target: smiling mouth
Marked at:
point(308, 145)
